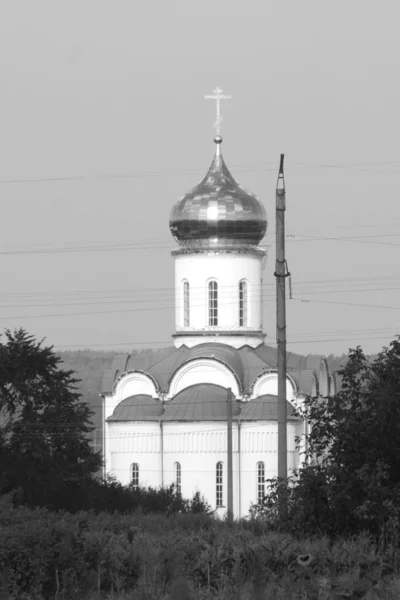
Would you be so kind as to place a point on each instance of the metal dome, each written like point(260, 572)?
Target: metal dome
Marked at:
point(218, 212)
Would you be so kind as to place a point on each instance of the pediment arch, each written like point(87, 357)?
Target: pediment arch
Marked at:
point(267, 384)
point(132, 383)
point(204, 370)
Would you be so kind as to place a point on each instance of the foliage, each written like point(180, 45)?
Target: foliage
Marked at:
point(44, 448)
point(83, 555)
point(352, 479)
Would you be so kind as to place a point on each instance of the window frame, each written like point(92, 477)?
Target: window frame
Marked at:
point(186, 303)
point(260, 481)
point(219, 484)
point(243, 303)
point(178, 477)
point(213, 303)
point(135, 475)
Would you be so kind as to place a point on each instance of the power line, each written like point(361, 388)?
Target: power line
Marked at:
point(171, 289)
point(145, 434)
point(385, 334)
point(171, 297)
point(171, 307)
point(169, 244)
point(117, 176)
point(366, 166)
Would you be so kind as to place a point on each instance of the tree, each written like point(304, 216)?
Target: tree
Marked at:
point(44, 446)
point(352, 481)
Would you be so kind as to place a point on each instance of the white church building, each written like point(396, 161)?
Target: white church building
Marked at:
point(164, 411)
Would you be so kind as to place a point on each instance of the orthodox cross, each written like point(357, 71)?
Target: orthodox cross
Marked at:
point(218, 96)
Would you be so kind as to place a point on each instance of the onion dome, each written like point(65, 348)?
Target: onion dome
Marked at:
point(218, 212)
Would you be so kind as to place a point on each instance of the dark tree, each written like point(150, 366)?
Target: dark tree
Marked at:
point(352, 481)
point(44, 426)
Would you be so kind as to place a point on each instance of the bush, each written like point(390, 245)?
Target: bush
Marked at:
point(352, 480)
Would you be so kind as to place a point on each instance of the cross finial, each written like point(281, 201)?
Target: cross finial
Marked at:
point(218, 96)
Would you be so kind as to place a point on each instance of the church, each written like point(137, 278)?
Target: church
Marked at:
point(164, 411)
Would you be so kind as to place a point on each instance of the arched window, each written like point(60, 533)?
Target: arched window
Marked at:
point(178, 477)
point(219, 484)
point(135, 476)
point(242, 304)
point(186, 304)
point(213, 303)
point(260, 481)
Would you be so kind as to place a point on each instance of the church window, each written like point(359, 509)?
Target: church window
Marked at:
point(260, 481)
point(219, 484)
point(213, 303)
point(186, 305)
point(135, 476)
point(242, 303)
point(178, 477)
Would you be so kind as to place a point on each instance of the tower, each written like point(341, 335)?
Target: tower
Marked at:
point(218, 264)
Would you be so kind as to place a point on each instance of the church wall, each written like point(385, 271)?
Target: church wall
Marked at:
point(227, 270)
point(259, 443)
point(135, 443)
point(198, 446)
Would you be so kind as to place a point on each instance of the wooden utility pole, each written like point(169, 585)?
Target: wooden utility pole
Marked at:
point(230, 461)
point(281, 274)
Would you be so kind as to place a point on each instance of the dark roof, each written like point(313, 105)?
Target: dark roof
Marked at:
point(137, 408)
point(202, 402)
point(246, 363)
point(265, 408)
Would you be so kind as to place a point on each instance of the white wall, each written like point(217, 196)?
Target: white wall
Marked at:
point(134, 442)
point(198, 447)
point(228, 270)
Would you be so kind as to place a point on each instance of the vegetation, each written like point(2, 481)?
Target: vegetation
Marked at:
point(352, 480)
point(137, 556)
point(44, 447)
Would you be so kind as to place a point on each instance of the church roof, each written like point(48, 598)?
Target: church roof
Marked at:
point(137, 408)
point(201, 402)
point(265, 408)
point(218, 212)
point(246, 363)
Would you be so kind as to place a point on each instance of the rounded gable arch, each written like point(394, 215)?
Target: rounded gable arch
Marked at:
point(204, 370)
point(267, 384)
point(133, 383)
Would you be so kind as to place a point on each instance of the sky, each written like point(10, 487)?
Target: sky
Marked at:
point(104, 126)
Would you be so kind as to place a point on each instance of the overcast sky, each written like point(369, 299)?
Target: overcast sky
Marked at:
point(107, 98)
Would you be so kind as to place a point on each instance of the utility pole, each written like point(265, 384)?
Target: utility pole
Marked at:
point(281, 273)
point(230, 461)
